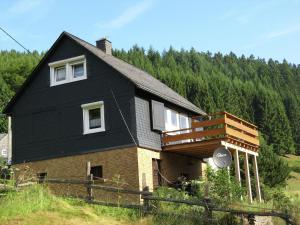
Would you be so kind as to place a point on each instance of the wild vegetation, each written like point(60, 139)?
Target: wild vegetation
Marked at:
point(35, 204)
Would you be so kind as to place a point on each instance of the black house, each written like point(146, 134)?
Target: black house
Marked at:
point(81, 104)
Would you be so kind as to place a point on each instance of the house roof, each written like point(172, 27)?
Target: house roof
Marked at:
point(140, 78)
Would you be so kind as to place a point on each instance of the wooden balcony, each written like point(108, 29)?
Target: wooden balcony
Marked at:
point(207, 134)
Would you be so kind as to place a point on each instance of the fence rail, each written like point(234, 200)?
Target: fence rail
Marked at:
point(148, 196)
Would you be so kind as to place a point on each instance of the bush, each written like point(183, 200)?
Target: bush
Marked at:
point(222, 187)
point(273, 170)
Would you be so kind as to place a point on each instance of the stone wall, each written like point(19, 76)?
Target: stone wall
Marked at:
point(145, 157)
point(120, 168)
point(128, 168)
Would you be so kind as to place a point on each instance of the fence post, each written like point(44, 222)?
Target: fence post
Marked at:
point(89, 178)
point(145, 200)
point(287, 218)
point(207, 210)
point(251, 219)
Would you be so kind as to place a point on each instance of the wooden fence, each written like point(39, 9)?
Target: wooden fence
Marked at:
point(146, 206)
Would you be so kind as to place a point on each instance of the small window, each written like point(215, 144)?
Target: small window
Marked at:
point(67, 70)
point(41, 177)
point(60, 73)
point(97, 172)
point(93, 117)
point(78, 70)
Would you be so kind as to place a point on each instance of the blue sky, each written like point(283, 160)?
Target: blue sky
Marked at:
point(262, 28)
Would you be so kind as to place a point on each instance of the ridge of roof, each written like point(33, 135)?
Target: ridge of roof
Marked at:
point(140, 78)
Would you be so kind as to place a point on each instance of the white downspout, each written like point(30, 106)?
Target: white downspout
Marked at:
point(9, 134)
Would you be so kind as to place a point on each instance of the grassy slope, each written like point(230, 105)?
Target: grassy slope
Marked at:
point(294, 182)
point(37, 206)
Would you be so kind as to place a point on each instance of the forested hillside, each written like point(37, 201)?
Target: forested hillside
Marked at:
point(266, 93)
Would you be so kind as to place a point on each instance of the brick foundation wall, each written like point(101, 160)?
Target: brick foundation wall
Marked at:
point(145, 157)
point(122, 163)
point(132, 166)
point(172, 166)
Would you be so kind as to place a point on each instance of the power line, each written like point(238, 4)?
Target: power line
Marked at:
point(4, 31)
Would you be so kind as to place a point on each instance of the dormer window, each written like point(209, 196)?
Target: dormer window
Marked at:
point(67, 70)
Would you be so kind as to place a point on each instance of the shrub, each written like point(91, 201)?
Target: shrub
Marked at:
point(273, 170)
point(222, 188)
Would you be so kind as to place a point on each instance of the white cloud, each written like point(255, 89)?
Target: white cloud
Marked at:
point(284, 32)
point(273, 35)
point(128, 15)
point(23, 6)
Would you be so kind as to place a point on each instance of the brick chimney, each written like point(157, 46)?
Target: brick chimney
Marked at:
point(105, 45)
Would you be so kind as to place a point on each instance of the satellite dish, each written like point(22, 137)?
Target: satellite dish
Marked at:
point(222, 157)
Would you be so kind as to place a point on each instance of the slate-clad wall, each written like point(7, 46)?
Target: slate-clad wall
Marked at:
point(47, 121)
point(146, 137)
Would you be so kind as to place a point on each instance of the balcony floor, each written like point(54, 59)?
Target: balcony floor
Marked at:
point(205, 148)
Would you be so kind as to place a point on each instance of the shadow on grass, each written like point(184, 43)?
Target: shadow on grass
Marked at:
point(295, 169)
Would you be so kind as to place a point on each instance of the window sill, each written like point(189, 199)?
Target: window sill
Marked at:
point(98, 130)
point(84, 77)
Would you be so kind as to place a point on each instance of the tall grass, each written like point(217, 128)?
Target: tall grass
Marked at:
point(28, 200)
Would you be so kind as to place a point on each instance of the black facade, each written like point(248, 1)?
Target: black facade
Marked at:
point(47, 122)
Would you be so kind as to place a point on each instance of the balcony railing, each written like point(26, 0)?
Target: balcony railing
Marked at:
point(220, 126)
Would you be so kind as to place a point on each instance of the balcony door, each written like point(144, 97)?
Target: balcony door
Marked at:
point(176, 121)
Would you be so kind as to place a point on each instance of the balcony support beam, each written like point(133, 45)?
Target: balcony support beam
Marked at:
point(257, 183)
point(247, 175)
point(235, 147)
point(237, 166)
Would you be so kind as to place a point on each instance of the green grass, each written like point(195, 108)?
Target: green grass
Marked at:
point(293, 184)
point(36, 205)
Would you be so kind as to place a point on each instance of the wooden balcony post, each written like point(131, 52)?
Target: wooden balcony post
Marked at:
point(237, 166)
point(257, 183)
point(247, 174)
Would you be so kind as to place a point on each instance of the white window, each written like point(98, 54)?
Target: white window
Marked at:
point(60, 73)
point(183, 121)
point(175, 120)
point(93, 117)
point(4, 152)
point(67, 70)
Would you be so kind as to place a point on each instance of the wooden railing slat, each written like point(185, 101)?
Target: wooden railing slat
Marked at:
point(241, 127)
point(206, 123)
point(193, 135)
point(226, 124)
point(240, 135)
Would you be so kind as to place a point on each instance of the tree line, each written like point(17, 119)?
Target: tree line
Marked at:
point(267, 93)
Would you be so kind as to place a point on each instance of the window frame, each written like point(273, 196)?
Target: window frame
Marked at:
point(68, 63)
point(85, 115)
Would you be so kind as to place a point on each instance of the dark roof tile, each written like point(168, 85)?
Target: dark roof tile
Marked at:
point(140, 78)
